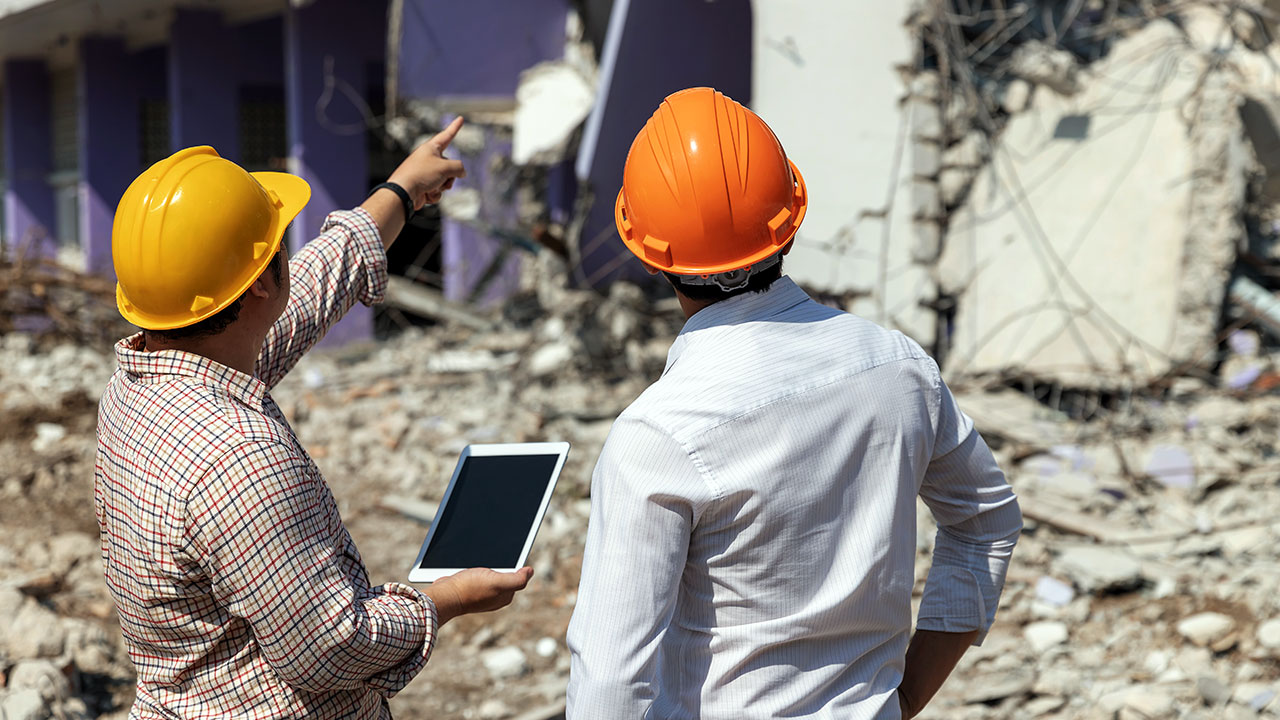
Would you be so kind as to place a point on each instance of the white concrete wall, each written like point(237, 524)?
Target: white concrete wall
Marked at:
point(825, 81)
point(1069, 253)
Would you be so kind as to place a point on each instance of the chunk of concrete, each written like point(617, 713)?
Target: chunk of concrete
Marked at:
point(1206, 628)
point(552, 101)
point(505, 662)
point(1082, 259)
point(1099, 569)
point(1045, 634)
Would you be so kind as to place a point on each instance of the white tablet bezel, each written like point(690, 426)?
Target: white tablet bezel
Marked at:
point(560, 449)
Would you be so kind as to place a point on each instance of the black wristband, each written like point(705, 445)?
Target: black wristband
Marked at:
point(404, 197)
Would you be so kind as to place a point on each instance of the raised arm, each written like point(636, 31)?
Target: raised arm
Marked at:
point(348, 262)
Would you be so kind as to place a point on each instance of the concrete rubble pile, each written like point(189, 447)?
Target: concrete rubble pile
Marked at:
point(1087, 217)
point(1145, 585)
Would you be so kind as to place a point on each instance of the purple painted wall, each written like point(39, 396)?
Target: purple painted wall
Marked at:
point(151, 67)
point(108, 142)
point(703, 43)
point(259, 52)
point(478, 268)
point(473, 50)
point(202, 84)
point(476, 48)
point(328, 145)
point(28, 157)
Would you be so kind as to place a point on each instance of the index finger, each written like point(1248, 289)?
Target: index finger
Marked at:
point(445, 136)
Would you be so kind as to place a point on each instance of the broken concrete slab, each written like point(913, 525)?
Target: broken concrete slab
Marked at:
point(1098, 569)
point(1125, 280)
point(552, 101)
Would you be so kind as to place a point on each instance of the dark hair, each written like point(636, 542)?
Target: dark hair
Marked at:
point(759, 282)
point(222, 319)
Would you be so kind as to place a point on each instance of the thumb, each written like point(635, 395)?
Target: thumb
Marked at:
point(513, 581)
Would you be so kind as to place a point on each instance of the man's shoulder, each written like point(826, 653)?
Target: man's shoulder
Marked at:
point(179, 425)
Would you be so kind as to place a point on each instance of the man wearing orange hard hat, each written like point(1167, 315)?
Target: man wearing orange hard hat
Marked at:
point(240, 592)
point(752, 541)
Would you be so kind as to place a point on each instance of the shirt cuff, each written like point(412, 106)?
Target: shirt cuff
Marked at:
point(389, 682)
point(953, 602)
point(366, 241)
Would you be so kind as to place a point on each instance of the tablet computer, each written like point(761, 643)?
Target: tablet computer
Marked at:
point(491, 510)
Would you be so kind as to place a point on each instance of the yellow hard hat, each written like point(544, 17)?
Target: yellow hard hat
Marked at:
point(193, 232)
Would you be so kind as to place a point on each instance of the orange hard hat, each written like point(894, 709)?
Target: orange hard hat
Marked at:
point(707, 188)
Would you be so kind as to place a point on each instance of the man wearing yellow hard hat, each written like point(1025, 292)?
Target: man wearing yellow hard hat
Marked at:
point(752, 542)
point(239, 590)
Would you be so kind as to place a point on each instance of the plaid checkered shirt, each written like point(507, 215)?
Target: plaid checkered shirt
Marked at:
point(240, 592)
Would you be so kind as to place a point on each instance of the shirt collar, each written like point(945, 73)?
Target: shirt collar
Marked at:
point(782, 295)
point(166, 364)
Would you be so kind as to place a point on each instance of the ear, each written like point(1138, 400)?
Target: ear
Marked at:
point(259, 289)
point(790, 245)
point(651, 269)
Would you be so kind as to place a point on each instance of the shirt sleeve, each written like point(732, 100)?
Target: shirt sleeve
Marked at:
point(265, 530)
point(978, 525)
point(643, 509)
point(347, 263)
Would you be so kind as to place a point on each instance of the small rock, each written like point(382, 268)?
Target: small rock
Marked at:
point(1213, 690)
point(549, 359)
point(493, 709)
point(546, 647)
point(1150, 702)
point(1097, 569)
point(1269, 634)
point(505, 662)
point(24, 704)
point(1043, 706)
point(47, 435)
point(43, 677)
point(1045, 634)
point(35, 633)
point(1207, 628)
point(1256, 696)
point(1054, 592)
point(998, 685)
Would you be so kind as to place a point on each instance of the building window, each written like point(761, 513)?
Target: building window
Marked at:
point(263, 143)
point(65, 179)
point(66, 111)
point(154, 126)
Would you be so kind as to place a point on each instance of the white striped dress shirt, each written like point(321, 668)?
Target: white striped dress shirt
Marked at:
point(751, 546)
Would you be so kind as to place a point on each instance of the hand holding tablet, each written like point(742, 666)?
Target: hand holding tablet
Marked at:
point(475, 590)
point(490, 512)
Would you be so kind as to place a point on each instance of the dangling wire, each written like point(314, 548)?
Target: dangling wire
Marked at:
point(332, 82)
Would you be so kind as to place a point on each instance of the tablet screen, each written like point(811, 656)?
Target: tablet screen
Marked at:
point(493, 504)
